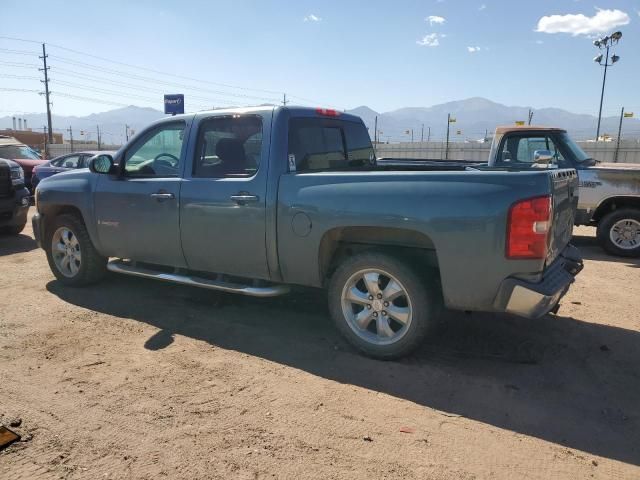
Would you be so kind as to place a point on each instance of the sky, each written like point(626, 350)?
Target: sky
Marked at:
point(344, 54)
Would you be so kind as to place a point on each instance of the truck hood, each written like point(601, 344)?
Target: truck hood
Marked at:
point(81, 173)
point(617, 166)
point(8, 162)
point(28, 165)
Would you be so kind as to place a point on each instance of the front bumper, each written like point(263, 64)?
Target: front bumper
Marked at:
point(37, 222)
point(13, 210)
point(533, 300)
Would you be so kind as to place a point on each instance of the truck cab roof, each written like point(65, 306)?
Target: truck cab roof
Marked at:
point(526, 128)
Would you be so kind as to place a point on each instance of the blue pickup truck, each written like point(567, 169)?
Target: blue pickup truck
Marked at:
point(254, 200)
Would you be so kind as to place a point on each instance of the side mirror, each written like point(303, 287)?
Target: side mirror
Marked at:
point(543, 157)
point(101, 163)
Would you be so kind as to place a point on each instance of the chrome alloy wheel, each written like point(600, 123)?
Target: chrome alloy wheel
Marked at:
point(65, 250)
point(625, 234)
point(376, 306)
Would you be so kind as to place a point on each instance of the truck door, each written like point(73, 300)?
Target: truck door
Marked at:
point(223, 197)
point(137, 212)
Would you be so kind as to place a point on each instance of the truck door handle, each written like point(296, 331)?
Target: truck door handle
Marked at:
point(162, 196)
point(243, 198)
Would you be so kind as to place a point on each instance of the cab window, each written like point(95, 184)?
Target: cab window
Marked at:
point(328, 144)
point(157, 153)
point(228, 147)
point(521, 150)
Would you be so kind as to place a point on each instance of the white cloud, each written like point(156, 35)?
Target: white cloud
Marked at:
point(435, 19)
point(483, 6)
point(430, 40)
point(312, 18)
point(579, 24)
point(473, 49)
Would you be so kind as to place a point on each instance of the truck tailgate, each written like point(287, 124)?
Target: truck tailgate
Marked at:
point(564, 192)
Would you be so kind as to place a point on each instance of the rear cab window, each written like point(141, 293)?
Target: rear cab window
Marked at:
point(228, 146)
point(317, 144)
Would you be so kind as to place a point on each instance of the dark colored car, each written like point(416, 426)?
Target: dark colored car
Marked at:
point(14, 198)
point(23, 155)
point(63, 163)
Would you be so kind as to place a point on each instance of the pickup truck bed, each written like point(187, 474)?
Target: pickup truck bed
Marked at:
point(252, 200)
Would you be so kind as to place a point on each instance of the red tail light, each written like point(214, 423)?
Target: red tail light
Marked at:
point(528, 227)
point(328, 112)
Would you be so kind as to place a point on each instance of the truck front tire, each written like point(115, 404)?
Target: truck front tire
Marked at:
point(71, 255)
point(381, 305)
point(619, 232)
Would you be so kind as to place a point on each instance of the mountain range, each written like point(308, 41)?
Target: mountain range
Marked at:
point(473, 117)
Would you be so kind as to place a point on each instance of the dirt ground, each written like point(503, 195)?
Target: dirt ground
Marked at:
point(137, 379)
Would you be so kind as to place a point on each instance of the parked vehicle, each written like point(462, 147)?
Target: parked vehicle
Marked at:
point(69, 161)
point(23, 155)
point(609, 194)
point(14, 198)
point(253, 200)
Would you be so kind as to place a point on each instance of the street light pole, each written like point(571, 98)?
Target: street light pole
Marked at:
point(605, 43)
point(604, 81)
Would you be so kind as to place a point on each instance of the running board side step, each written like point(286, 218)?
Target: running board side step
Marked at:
point(272, 290)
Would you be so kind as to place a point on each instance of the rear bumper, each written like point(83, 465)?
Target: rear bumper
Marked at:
point(13, 210)
point(533, 300)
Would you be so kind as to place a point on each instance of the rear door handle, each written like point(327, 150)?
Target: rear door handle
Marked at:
point(162, 196)
point(243, 198)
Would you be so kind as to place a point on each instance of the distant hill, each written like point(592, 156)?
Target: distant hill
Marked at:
point(112, 123)
point(476, 115)
point(473, 117)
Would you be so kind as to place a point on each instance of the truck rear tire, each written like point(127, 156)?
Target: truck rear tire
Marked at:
point(71, 255)
point(381, 305)
point(619, 232)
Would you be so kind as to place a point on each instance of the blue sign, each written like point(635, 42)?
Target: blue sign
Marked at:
point(174, 103)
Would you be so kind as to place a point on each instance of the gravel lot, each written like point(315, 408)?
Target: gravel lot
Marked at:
point(137, 379)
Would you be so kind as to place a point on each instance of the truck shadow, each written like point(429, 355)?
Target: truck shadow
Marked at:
point(560, 379)
point(10, 244)
point(591, 250)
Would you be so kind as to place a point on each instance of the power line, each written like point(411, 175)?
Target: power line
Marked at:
point(19, 52)
point(19, 64)
point(149, 79)
point(134, 87)
point(182, 77)
point(19, 39)
point(164, 73)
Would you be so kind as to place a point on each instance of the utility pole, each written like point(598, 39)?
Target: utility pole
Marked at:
point(412, 135)
point(615, 156)
point(422, 134)
point(46, 143)
point(98, 130)
point(530, 116)
point(71, 137)
point(46, 90)
point(375, 132)
point(429, 135)
point(446, 152)
point(126, 132)
point(284, 99)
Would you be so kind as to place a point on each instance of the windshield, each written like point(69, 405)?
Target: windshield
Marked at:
point(18, 151)
point(576, 151)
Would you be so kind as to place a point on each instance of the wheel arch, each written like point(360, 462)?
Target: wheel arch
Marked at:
point(51, 212)
point(339, 243)
point(614, 203)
